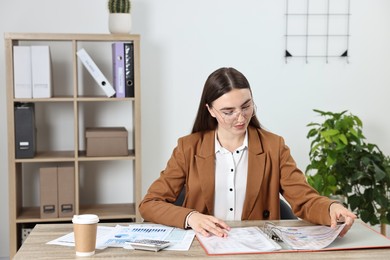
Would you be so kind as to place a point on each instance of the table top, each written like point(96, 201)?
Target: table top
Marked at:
point(35, 247)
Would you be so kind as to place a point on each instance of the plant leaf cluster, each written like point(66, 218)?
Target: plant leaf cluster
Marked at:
point(119, 6)
point(342, 163)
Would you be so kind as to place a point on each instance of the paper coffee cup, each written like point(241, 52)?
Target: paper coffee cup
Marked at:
point(85, 228)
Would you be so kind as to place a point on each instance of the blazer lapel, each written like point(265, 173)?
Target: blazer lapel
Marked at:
point(205, 162)
point(256, 168)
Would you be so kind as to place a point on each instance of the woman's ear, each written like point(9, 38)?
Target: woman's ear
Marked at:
point(210, 111)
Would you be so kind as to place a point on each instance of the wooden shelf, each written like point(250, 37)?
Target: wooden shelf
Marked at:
point(104, 211)
point(68, 156)
point(50, 156)
point(83, 157)
point(51, 100)
point(70, 37)
point(110, 211)
point(71, 99)
point(32, 215)
point(77, 102)
point(102, 99)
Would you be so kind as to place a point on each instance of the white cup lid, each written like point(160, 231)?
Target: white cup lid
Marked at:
point(85, 219)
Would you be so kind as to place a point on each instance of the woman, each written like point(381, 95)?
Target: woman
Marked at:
point(232, 169)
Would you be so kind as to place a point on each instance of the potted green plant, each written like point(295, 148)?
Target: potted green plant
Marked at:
point(119, 16)
point(343, 164)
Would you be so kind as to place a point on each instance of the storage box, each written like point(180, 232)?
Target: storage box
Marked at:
point(25, 233)
point(48, 192)
point(106, 141)
point(66, 191)
point(25, 130)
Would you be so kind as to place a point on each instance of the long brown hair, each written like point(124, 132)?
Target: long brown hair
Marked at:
point(217, 84)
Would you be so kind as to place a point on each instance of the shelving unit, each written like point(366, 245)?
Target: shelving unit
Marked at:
point(61, 139)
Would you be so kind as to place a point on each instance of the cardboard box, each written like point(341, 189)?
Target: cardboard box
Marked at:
point(48, 192)
point(66, 191)
point(106, 141)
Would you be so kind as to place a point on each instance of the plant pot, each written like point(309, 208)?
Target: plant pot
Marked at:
point(119, 22)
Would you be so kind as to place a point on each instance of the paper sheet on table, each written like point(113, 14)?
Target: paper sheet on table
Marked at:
point(243, 240)
point(68, 239)
point(122, 234)
point(180, 239)
point(117, 236)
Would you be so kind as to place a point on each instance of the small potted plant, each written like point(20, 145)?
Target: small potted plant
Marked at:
point(343, 164)
point(119, 16)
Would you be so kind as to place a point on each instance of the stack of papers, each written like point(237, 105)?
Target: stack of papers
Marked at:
point(118, 236)
point(244, 240)
point(247, 240)
point(307, 237)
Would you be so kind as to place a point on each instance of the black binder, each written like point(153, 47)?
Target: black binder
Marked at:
point(25, 132)
point(129, 69)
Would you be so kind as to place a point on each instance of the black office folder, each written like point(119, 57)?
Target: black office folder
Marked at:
point(25, 132)
point(129, 69)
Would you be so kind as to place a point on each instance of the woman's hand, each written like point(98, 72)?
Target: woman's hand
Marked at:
point(338, 213)
point(206, 225)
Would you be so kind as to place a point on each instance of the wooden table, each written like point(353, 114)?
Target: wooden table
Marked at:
point(35, 247)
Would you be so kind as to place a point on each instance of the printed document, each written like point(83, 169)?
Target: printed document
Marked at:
point(243, 240)
point(305, 237)
point(246, 240)
point(117, 236)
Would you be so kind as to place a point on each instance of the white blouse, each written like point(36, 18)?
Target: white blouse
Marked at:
point(231, 170)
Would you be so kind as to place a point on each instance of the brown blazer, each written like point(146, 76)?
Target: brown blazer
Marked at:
point(271, 170)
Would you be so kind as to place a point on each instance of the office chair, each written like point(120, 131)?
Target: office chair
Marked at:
point(285, 210)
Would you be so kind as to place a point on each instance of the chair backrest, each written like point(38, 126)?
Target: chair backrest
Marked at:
point(285, 210)
point(180, 199)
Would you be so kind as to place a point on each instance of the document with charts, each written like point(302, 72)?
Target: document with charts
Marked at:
point(304, 237)
point(244, 240)
point(252, 240)
point(117, 236)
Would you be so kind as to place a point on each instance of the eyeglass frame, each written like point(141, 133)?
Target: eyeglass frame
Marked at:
point(237, 112)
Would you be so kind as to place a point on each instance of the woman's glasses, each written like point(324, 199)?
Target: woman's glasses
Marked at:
point(229, 116)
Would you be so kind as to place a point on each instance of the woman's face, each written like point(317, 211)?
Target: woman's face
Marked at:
point(233, 111)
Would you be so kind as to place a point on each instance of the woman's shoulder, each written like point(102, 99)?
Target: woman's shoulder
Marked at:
point(265, 134)
point(200, 143)
point(261, 139)
point(197, 137)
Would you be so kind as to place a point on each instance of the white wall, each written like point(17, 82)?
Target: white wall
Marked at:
point(184, 41)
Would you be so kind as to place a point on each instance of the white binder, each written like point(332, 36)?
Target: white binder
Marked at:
point(22, 72)
point(41, 72)
point(95, 72)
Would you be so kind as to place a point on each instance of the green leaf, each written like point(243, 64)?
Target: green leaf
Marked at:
point(354, 202)
point(328, 139)
point(332, 180)
point(343, 139)
point(330, 132)
point(312, 133)
point(329, 161)
point(365, 215)
point(381, 200)
point(313, 124)
point(379, 173)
